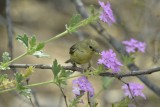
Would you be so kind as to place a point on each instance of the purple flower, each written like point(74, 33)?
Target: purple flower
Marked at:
point(106, 15)
point(82, 85)
point(109, 60)
point(134, 45)
point(135, 89)
point(76, 90)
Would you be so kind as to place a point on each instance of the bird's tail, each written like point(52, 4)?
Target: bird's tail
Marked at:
point(68, 61)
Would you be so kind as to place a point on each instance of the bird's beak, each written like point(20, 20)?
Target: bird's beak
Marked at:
point(96, 51)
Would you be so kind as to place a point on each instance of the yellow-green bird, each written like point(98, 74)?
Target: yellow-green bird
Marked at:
point(82, 51)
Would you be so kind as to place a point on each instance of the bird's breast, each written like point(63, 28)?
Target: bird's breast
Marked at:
point(81, 57)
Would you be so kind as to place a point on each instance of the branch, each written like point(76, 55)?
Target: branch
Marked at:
point(135, 73)
point(41, 66)
point(65, 98)
point(109, 74)
point(9, 27)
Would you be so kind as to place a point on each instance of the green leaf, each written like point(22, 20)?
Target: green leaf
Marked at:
point(3, 77)
point(65, 73)
point(56, 68)
point(127, 59)
point(75, 20)
point(63, 76)
point(23, 39)
point(25, 92)
point(63, 82)
point(40, 46)
point(113, 105)
point(6, 57)
point(76, 101)
point(32, 42)
point(60, 75)
point(92, 10)
point(19, 77)
point(31, 51)
point(4, 66)
point(123, 103)
point(40, 54)
point(22, 89)
point(107, 82)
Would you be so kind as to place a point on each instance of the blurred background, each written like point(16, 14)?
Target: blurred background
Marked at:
point(46, 18)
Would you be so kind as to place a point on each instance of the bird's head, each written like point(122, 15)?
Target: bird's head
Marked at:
point(92, 45)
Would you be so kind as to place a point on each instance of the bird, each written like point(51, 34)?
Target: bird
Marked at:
point(82, 51)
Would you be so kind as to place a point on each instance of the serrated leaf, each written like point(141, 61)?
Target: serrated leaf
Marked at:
point(19, 77)
point(6, 57)
point(56, 68)
point(19, 86)
point(65, 73)
point(60, 75)
point(75, 20)
point(40, 46)
point(63, 82)
point(3, 77)
point(23, 39)
point(25, 92)
point(4, 66)
point(32, 42)
point(40, 54)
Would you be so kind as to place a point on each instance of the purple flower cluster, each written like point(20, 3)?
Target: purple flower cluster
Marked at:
point(109, 60)
point(135, 89)
point(134, 45)
point(82, 85)
point(106, 15)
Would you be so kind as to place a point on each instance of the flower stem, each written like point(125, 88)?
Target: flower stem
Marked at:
point(24, 54)
point(41, 83)
point(82, 23)
point(56, 37)
point(27, 86)
point(75, 76)
point(65, 99)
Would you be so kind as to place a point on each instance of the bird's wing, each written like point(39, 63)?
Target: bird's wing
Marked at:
point(72, 49)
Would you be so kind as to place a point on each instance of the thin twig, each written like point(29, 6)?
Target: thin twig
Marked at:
point(60, 101)
point(88, 95)
point(89, 100)
point(31, 102)
point(34, 95)
point(65, 99)
point(135, 73)
point(9, 27)
point(35, 98)
point(129, 91)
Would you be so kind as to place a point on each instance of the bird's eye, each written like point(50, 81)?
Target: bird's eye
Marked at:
point(90, 47)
